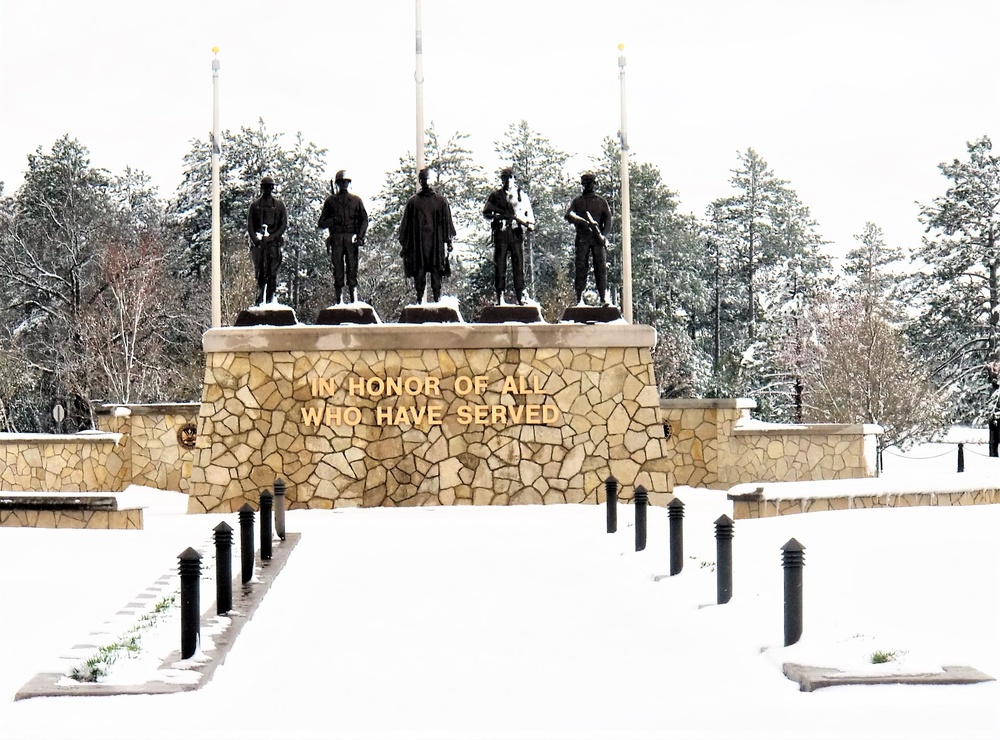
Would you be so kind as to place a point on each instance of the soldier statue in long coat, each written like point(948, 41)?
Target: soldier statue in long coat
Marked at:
point(425, 235)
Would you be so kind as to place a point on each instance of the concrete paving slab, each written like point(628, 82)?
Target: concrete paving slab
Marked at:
point(811, 678)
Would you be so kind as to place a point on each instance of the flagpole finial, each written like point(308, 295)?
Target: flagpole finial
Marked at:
point(215, 49)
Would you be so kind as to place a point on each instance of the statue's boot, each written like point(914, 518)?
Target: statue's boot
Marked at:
point(352, 294)
point(520, 299)
point(604, 300)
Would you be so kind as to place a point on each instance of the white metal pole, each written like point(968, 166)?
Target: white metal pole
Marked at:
point(216, 228)
point(626, 206)
point(418, 76)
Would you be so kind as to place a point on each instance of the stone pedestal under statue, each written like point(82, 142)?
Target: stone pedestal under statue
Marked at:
point(351, 313)
point(270, 314)
point(395, 415)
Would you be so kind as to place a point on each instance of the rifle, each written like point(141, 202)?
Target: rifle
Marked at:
point(591, 224)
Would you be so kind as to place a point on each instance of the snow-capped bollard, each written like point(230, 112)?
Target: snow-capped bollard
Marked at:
point(246, 542)
point(675, 512)
point(611, 503)
point(190, 571)
point(640, 500)
point(223, 568)
point(961, 457)
point(279, 508)
point(792, 560)
point(724, 559)
point(266, 505)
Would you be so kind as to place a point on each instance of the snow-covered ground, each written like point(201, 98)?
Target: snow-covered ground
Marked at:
point(532, 622)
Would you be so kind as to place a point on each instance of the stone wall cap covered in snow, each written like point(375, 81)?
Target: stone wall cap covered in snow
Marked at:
point(304, 338)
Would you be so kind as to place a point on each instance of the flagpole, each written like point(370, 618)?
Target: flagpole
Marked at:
point(216, 228)
point(626, 206)
point(418, 76)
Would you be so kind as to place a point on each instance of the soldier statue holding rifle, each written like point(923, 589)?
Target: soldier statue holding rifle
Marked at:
point(591, 216)
point(345, 218)
point(508, 236)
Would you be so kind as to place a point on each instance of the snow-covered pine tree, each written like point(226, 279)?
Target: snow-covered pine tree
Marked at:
point(956, 288)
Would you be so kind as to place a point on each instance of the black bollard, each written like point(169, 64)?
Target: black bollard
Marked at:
point(961, 457)
point(724, 559)
point(190, 570)
point(266, 505)
point(611, 503)
point(675, 512)
point(640, 500)
point(792, 560)
point(246, 542)
point(279, 508)
point(223, 568)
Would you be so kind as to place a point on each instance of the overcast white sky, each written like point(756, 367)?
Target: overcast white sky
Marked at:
point(855, 103)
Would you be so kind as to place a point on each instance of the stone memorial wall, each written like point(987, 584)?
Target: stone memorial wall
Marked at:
point(393, 415)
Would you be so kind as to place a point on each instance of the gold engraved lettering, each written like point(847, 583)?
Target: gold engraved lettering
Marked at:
point(311, 416)
point(463, 385)
point(355, 386)
point(383, 415)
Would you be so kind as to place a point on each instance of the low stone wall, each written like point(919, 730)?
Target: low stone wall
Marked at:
point(757, 504)
point(479, 414)
point(713, 443)
point(158, 442)
point(72, 519)
point(88, 462)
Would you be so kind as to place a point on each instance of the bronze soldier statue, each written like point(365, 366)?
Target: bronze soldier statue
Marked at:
point(508, 238)
point(266, 224)
point(591, 216)
point(345, 218)
point(425, 235)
